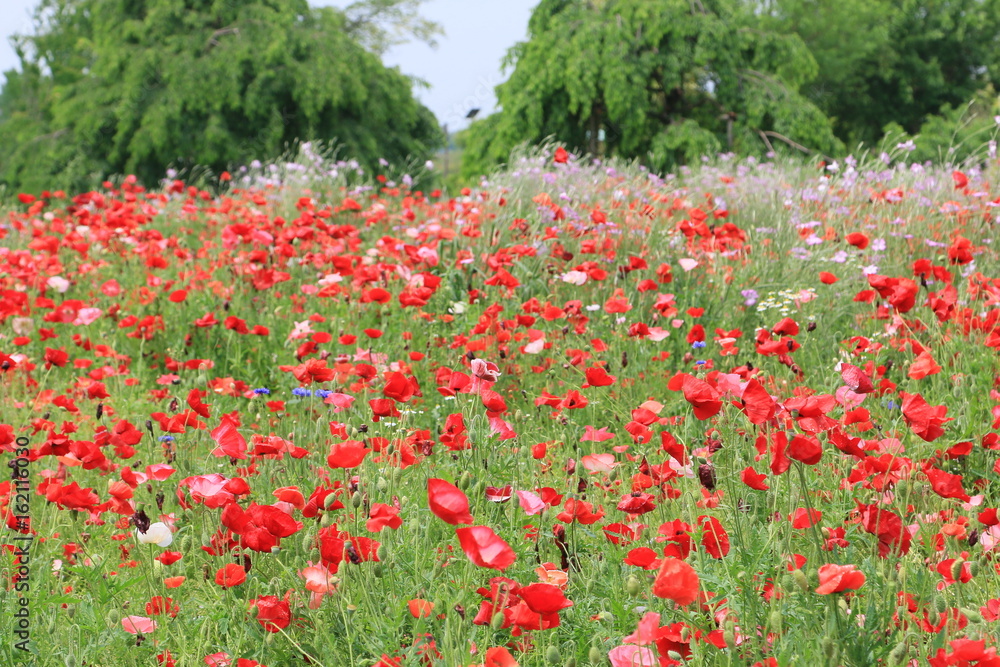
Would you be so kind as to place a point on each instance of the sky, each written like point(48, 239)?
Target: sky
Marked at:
point(462, 71)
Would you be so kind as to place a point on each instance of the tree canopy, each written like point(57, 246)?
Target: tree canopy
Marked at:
point(664, 82)
point(891, 61)
point(136, 86)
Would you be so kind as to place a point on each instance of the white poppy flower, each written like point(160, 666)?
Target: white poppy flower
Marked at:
point(159, 534)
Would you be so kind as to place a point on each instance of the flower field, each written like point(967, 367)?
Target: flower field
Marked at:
point(743, 415)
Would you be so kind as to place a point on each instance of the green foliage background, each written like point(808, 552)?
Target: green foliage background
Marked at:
point(135, 86)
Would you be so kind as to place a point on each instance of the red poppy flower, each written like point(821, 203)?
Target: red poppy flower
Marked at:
point(383, 516)
point(757, 403)
point(677, 535)
point(498, 656)
point(836, 578)
point(347, 454)
point(805, 448)
point(229, 440)
point(827, 278)
point(544, 598)
point(420, 608)
point(448, 502)
point(946, 484)
point(598, 377)
point(754, 479)
point(923, 419)
point(230, 575)
point(857, 239)
point(714, 539)
point(702, 396)
point(677, 581)
point(273, 614)
point(803, 518)
point(856, 379)
point(580, 511)
point(485, 548)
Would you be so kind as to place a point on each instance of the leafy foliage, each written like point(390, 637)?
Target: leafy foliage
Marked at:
point(662, 82)
point(956, 134)
point(883, 61)
point(137, 86)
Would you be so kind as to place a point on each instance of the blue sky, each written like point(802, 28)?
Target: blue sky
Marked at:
point(462, 71)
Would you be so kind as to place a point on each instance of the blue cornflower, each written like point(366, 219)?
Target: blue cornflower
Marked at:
point(262, 390)
point(166, 438)
point(323, 393)
point(299, 391)
point(698, 344)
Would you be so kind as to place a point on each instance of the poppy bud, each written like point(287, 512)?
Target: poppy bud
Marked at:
point(956, 568)
point(972, 614)
point(570, 662)
point(685, 635)
point(774, 621)
point(377, 570)
point(633, 585)
point(326, 520)
point(496, 623)
point(552, 655)
point(898, 655)
point(381, 485)
point(940, 604)
point(675, 656)
point(464, 480)
point(594, 655)
point(381, 553)
point(729, 633)
point(799, 577)
point(974, 568)
point(829, 648)
point(356, 499)
point(308, 541)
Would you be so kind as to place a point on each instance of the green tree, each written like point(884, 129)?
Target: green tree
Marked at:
point(137, 86)
point(665, 82)
point(883, 61)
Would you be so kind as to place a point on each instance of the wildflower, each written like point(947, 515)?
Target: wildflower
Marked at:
point(837, 578)
point(677, 581)
point(158, 533)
